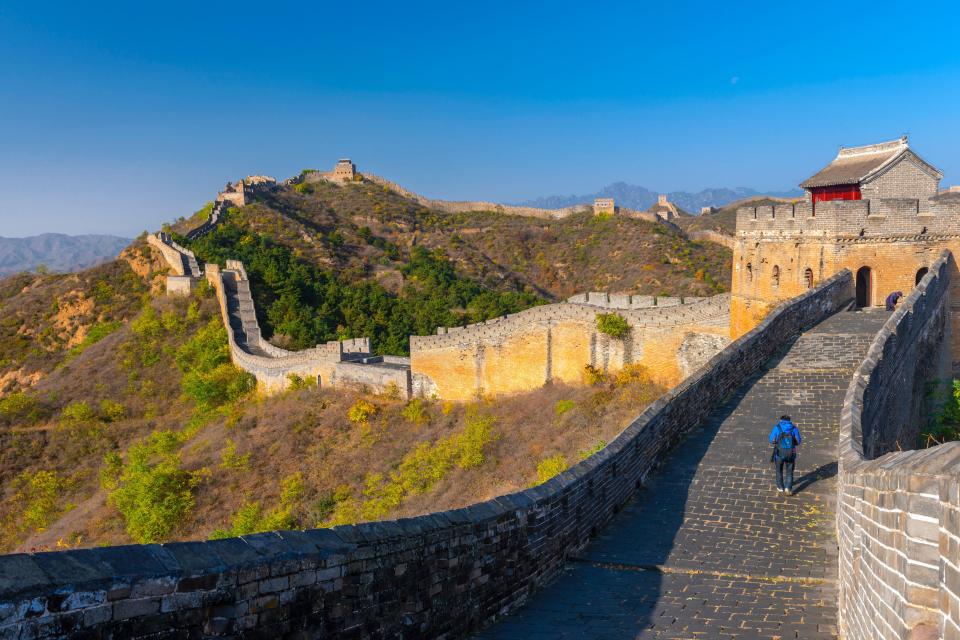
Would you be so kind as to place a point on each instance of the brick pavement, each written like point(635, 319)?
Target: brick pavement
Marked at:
point(709, 549)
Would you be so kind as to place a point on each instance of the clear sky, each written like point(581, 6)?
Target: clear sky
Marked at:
point(117, 116)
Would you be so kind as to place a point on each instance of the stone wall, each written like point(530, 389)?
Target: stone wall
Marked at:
point(701, 235)
point(440, 575)
point(450, 206)
point(898, 515)
point(182, 262)
point(337, 363)
point(526, 350)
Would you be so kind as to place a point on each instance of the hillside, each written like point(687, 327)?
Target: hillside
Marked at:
point(150, 434)
point(328, 261)
point(123, 420)
point(640, 198)
point(57, 252)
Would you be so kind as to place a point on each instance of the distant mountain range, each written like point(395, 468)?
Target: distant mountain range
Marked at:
point(636, 197)
point(57, 252)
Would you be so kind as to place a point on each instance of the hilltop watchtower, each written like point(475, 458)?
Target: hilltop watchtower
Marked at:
point(344, 171)
point(604, 206)
point(875, 209)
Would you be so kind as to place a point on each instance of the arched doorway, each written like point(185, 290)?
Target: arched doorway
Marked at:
point(922, 272)
point(808, 278)
point(864, 287)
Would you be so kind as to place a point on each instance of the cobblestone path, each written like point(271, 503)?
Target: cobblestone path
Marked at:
point(710, 549)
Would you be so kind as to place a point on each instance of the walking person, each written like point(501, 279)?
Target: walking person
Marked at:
point(786, 440)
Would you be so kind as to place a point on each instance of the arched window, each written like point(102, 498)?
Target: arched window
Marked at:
point(749, 272)
point(808, 277)
point(776, 275)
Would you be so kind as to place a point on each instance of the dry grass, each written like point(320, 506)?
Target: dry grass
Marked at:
point(309, 432)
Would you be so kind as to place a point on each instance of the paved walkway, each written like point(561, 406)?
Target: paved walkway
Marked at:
point(710, 549)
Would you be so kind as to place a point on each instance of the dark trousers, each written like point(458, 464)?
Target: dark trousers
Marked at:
point(784, 472)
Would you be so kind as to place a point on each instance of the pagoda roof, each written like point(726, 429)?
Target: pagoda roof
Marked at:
point(856, 165)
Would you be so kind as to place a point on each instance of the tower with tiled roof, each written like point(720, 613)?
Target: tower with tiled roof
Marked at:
point(875, 209)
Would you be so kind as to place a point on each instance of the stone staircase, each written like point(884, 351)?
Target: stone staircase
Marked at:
point(241, 313)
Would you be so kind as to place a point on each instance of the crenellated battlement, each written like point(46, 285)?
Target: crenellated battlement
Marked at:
point(861, 218)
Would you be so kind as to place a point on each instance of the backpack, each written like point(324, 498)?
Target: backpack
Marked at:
point(785, 444)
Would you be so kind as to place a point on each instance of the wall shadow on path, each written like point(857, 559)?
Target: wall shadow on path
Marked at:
point(626, 583)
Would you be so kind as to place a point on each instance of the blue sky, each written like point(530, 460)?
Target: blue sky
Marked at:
point(115, 117)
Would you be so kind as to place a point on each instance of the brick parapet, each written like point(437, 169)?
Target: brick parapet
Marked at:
point(708, 235)
point(880, 217)
point(715, 309)
point(439, 575)
point(625, 301)
point(897, 517)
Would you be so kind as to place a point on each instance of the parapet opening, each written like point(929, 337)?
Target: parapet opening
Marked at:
point(749, 272)
point(776, 275)
point(808, 277)
point(920, 273)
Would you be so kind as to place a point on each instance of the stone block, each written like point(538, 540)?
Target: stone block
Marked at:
point(21, 576)
point(79, 568)
point(124, 609)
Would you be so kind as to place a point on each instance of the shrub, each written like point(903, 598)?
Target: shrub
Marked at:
point(944, 426)
point(77, 412)
point(419, 471)
point(549, 467)
point(298, 382)
point(613, 325)
point(593, 376)
point(361, 411)
point(416, 412)
point(149, 488)
point(112, 411)
point(230, 459)
point(39, 495)
point(19, 407)
point(586, 453)
point(632, 374)
point(250, 518)
point(210, 379)
point(563, 406)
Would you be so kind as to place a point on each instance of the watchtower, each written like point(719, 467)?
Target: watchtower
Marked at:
point(604, 206)
point(344, 171)
point(875, 209)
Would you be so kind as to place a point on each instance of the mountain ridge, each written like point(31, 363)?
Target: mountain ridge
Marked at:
point(58, 252)
point(638, 197)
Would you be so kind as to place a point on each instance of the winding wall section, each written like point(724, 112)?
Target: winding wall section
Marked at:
point(439, 575)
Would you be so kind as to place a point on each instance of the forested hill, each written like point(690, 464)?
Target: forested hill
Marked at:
point(329, 262)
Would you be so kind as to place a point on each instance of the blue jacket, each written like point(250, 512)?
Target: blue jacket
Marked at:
point(785, 426)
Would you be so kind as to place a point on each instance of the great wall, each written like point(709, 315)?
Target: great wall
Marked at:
point(515, 353)
point(868, 548)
